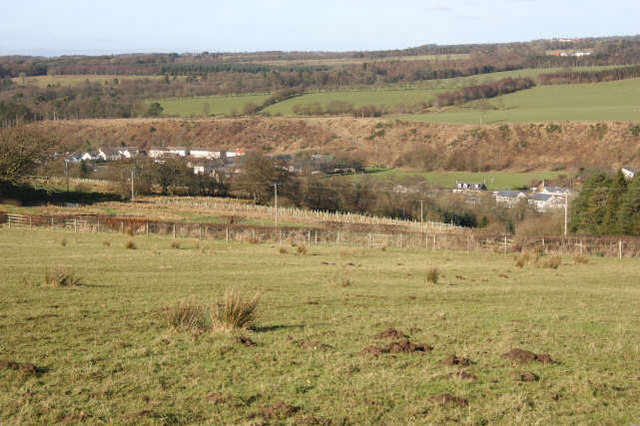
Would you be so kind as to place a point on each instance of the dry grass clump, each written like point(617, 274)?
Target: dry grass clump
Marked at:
point(61, 277)
point(63, 242)
point(131, 245)
point(522, 259)
point(550, 262)
point(301, 250)
point(106, 243)
point(175, 245)
point(283, 250)
point(344, 282)
point(433, 275)
point(252, 240)
point(580, 259)
point(236, 312)
point(189, 315)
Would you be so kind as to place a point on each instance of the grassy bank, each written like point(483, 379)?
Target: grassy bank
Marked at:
point(103, 351)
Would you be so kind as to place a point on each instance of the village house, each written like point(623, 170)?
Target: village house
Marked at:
point(89, 156)
point(545, 202)
point(129, 152)
point(238, 152)
point(208, 154)
point(109, 154)
point(469, 186)
point(510, 198)
point(168, 151)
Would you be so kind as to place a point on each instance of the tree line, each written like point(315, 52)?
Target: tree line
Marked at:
point(484, 91)
point(580, 77)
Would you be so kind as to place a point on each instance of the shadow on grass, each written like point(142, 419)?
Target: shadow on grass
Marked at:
point(27, 195)
point(267, 328)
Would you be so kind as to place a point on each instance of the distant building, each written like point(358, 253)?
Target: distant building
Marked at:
point(469, 186)
point(208, 154)
point(238, 152)
point(130, 152)
point(168, 151)
point(109, 154)
point(545, 202)
point(510, 198)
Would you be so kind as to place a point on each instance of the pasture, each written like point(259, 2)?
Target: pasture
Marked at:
point(218, 105)
point(611, 101)
point(103, 351)
point(440, 179)
point(78, 79)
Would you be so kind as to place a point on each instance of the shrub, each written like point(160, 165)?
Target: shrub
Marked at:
point(130, 245)
point(61, 277)
point(580, 259)
point(236, 312)
point(433, 274)
point(175, 245)
point(301, 250)
point(550, 262)
point(189, 315)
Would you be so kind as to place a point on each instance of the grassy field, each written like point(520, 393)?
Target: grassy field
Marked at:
point(614, 101)
point(104, 351)
point(493, 180)
point(76, 80)
point(218, 105)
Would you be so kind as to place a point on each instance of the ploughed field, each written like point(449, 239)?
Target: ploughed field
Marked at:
point(322, 351)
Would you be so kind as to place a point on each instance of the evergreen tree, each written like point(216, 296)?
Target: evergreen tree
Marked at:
point(629, 212)
point(611, 221)
point(588, 209)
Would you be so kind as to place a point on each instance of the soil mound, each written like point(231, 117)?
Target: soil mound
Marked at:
point(456, 360)
point(527, 376)
point(26, 367)
point(391, 333)
point(279, 410)
point(401, 346)
point(448, 399)
point(313, 344)
point(523, 356)
point(245, 341)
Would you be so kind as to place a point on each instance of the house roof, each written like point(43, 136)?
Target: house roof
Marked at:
point(509, 193)
point(541, 197)
point(109, 151)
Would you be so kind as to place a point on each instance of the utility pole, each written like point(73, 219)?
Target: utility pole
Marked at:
point(566, 211)
point(132, 187)
point(421, 212)
point(66, 172)
point(275, 192)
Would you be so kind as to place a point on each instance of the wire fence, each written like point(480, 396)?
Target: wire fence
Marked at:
point(602, 246)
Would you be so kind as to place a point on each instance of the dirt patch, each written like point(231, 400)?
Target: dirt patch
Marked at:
point(461, 277)
point(43, 316)
point(526, 376)
point(448, 399)
point(391, 333)
point(523, 356)
point(503, 276)
point(350, 264)
point(401, 346)
point(279, 410)
point(456, 360)
point(310, 344)
point(23, 367)
point(462, 375)
point(245, 341)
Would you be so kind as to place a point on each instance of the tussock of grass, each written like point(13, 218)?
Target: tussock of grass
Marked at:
point(522, 259)
point(344, 282)
point(236, 312)
point(130, 245)
point(283, 250)
point(106, 243)
point(175, 245)
point(580, 259)
point(61, 277)
point(63, 242)
point(550, 262)
point(433, 275)
point(301, 250)
point(189, 315)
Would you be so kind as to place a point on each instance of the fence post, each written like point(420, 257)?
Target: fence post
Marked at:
point(75, 224)
point(30, 222)
point(505, 245)
point(51, 222)
point(401, 241)
point(543, 247)
point(227, 235)
point(620, 249)
point(200, 231)
point(316, 236)
point(434, 241)
point(9, 221)
point(370, 240)
point(580, 247)
point(338, 238)
point(309, 237)
point(122, 226)
point(99, 225)
point(174, 230)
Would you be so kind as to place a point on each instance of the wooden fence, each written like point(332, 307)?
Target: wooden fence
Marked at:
point(573, 245)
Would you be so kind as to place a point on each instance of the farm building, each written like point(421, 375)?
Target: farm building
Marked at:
point(469, 186)
point(510, 198)
point(209, 154)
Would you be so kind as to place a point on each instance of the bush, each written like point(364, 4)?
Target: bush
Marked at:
point(61, 277)
point(550, 262)
point(188, 315)
point(130, 245)
point(433, 274)
point(236, 312)
point(580, 259)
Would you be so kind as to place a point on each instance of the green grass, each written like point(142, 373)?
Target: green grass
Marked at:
point(613, 101)
point(493, 180)
point(108, 354)
point(78, 79)
point(218, 105)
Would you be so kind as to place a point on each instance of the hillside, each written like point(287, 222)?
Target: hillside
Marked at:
point(424, 146)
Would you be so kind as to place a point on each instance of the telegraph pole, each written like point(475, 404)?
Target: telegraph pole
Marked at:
point(132, 191)
point(421, 212)
point(566, 211)
point(275, 192)
point(66, 172)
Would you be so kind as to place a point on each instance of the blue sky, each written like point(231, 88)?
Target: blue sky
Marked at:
point(84, 26)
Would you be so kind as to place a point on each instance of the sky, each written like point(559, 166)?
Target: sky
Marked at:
point(45, 27)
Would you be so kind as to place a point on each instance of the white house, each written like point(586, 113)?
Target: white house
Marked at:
point(129, 152)
point(235, 153)
point(545, 202)
point(109, 154)
point(629, 172)
point(509, 198)
point(469, 186)
point(89, 156)
point(161, 152)
point(208, 154)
